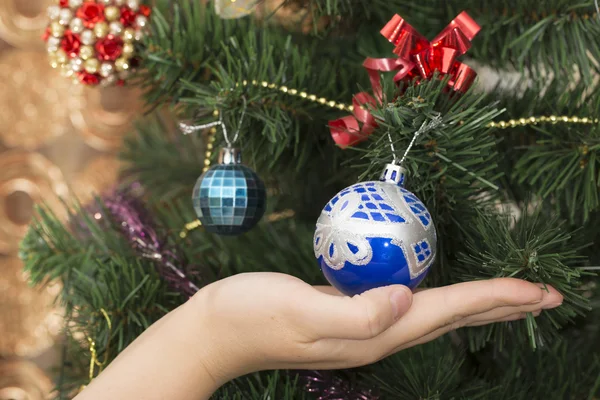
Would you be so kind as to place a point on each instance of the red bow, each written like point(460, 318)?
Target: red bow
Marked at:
point(416, 57)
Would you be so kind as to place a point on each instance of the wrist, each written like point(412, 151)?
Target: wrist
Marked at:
point(223, 354)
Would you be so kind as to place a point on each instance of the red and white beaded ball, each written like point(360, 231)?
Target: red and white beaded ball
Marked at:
point(92, 41)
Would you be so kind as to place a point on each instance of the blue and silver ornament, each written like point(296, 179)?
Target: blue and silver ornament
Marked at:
point(229, 198)
point(375, 234)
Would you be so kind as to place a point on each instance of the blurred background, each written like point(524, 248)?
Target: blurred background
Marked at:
point(57, 140)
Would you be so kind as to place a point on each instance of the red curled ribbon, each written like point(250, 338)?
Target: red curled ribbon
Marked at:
point(416, 57)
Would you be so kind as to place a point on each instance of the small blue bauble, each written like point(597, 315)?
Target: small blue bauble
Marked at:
point(229, 198)
point(375, 234)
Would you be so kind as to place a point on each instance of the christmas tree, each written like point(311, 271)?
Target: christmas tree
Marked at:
point(506, 164)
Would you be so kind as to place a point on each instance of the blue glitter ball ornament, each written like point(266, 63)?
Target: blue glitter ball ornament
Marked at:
point(375, 234)
point(229, 198)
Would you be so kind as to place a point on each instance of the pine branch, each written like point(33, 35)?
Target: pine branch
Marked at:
point(196, 44)
point(431, 371)
point(277, 123)
point(591, 231)
point(561, 371)
point(269, 385)
point(74, 368)
point(168, 164)
point(557, 161)
point(284, 246)
point(537, 249)
point(358, 11)
point(461, 140)
point(555, 96)
point(101, 275)
point(278, 128)
point(162, 158)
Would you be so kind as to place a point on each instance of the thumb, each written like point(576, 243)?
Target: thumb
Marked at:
point(360, 317)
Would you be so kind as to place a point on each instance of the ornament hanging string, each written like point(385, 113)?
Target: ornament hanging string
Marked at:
point(187, 129)
point(425, 127)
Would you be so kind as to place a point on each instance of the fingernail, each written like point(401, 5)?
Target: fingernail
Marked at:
point(551, 305)
point(399, 299)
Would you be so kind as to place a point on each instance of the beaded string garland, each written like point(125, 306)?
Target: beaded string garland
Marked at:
point(503, 124)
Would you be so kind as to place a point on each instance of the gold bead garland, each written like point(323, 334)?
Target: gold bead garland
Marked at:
point(553, 119)
point(210, 144)
point(189, 227)
point(302, 94)
point(94, 362)
point(512, 123)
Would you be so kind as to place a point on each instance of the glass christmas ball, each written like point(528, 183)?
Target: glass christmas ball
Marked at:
point(375, 234)
point(229, 198)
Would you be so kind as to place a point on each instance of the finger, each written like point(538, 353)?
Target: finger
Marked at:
point(362, 316)
point(444, 330)
point(445, 307)
point(550, 299)
point(497, 314)
point(508, 318)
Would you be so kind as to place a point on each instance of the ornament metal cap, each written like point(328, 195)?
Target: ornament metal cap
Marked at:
point(230, 155)
point(393, 174)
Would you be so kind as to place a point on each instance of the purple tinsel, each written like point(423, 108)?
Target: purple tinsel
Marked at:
point(127, 211)
point(331, 385)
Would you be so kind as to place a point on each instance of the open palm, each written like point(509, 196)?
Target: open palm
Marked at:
point(281, 322)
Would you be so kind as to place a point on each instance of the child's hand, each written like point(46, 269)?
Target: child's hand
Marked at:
point(275, 321)
point(259, 321)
